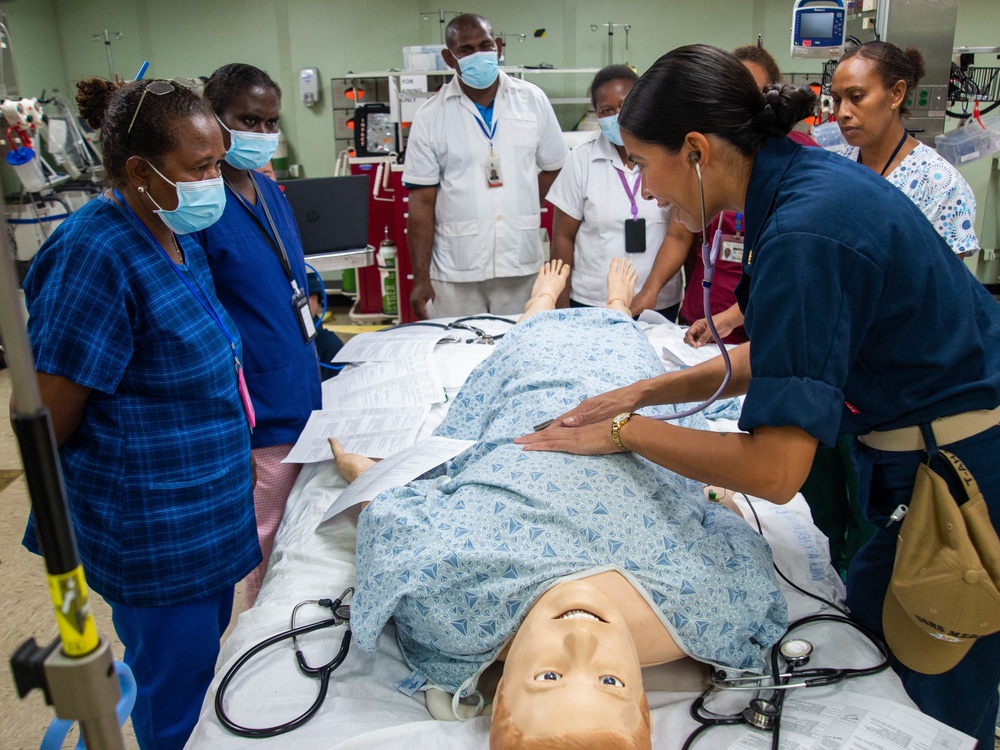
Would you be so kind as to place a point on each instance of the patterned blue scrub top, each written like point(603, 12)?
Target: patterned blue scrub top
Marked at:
point(459, 560)
point(939, 191)
point(158, 471)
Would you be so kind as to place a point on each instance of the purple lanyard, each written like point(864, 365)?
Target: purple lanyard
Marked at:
point(631, 193)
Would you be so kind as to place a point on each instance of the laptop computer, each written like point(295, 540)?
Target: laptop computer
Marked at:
point(332, 216)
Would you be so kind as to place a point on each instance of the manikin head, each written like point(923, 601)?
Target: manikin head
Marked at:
point(572, 677)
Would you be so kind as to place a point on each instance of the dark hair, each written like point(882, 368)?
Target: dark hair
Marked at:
point(109, 106)
point(463, 22)
point(759, 56)
point(610, 73)
point(707, 90)
point(892, 64)
point(231, 80)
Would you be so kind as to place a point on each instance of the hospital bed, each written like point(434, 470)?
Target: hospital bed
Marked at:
point(364, 709)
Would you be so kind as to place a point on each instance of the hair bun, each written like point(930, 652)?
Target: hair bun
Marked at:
point(783, 106)
point(92, 97)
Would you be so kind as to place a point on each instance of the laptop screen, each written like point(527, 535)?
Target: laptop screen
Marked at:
point(331, 212)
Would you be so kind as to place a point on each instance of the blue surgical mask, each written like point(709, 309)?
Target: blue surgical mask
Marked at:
point(248, 150)
point(480, 69)
point(199, 204)
point(609, 126)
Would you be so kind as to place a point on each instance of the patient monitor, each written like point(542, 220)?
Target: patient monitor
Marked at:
point(818, 29)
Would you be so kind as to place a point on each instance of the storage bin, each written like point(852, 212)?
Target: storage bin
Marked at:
point(962, 145)
point(424, 57)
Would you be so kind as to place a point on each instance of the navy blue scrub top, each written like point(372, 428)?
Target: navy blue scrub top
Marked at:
point(860, 315)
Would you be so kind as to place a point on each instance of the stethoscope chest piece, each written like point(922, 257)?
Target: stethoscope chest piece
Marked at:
point(761, 714)
point(796, 651)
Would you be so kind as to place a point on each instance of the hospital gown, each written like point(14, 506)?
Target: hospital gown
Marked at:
point(459, 560)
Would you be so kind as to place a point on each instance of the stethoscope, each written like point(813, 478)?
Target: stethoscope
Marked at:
point(462, 324)
point(765, 712)
point(341, 615)
point(709, 254)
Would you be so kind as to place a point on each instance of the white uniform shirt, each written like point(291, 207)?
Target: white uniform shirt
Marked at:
point(481, 232)
point(589, 190)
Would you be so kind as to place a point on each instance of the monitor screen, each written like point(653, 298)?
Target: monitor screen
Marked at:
point(816, 25)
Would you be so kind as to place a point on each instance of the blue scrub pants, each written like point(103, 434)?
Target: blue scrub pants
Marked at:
point(965, 697)
point(172, 653)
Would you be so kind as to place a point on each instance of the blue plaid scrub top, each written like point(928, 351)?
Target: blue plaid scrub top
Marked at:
point(158, 471)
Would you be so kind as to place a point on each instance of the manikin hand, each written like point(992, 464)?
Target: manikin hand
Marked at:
point(350, 465)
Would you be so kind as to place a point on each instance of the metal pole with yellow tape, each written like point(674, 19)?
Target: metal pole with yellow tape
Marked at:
point(76, 671)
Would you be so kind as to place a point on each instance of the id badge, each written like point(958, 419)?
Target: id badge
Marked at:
point(300, 304)
point(494, 175)
point(731, 249)
point(241, 386)
point(635, 235)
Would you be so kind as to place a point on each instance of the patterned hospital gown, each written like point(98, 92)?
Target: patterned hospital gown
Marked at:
point(459, 560)
point(939, 191)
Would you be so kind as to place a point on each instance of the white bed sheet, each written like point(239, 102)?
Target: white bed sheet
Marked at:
point(364, 710)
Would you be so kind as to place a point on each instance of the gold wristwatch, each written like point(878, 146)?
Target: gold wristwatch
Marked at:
point(616, 427)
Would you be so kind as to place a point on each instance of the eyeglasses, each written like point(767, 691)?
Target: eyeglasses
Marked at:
point(158, 87)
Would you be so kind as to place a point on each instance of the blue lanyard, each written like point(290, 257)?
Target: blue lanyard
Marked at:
point(739, 223)
point(489, 133)
point(202, 298)
point(631, 193)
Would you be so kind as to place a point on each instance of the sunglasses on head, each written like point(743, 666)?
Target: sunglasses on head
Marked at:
point(158, 87)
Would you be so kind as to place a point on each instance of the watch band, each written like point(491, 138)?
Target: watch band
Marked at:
point(616, 426)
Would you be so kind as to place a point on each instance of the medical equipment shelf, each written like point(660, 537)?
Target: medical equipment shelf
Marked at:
point(974, 83)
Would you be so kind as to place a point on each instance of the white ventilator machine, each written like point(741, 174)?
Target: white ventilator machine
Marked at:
point(818, 29)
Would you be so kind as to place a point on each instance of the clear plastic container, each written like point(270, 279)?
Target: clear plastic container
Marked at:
point(424, 57)
point(962, 145)
point(828, 136)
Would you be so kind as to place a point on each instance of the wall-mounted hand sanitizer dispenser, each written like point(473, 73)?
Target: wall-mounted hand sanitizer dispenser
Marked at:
point(309, 86)
point(818, 29)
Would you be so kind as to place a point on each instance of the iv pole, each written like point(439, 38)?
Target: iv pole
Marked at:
point(79, 679)
point(442, 24)
point(107, 47)
point(611, 36)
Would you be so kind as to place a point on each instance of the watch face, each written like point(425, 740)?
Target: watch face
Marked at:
point(622, 418)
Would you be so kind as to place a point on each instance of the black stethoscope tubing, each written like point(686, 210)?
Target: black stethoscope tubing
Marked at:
point(323, 672)
point(816, 677)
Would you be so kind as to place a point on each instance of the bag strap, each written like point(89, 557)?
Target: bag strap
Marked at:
point(965, 477)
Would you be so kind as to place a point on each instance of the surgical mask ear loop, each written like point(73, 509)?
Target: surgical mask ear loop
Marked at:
point(709, 254)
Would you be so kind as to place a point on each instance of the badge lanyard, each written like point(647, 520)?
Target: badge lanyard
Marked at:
point(731, 249)
point(202, 298)
point(494, 177)
point(631, 193)
point(635, 228)
point(300, 303)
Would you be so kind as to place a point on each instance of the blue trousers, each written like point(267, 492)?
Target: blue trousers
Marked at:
point(965, 697)
point(172, 653)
